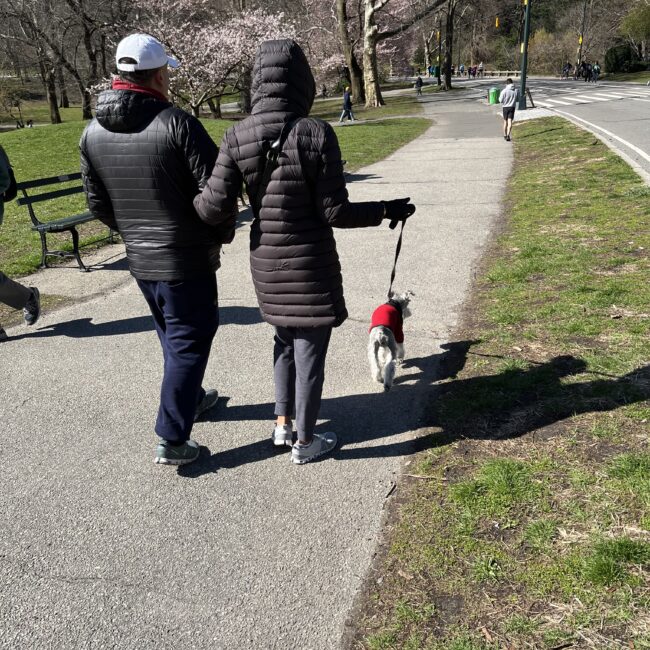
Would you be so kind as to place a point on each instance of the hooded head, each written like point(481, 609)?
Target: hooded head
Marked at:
point(282, 79)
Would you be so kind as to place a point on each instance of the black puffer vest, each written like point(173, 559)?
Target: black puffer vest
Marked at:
point(143, 162)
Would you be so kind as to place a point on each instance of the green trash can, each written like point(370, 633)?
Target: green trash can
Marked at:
point(493, 96)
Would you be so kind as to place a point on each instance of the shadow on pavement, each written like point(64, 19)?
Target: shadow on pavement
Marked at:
point(352, 177)
point(506, 405)
point(85, 328)
point(380, 413)
point(119, 264)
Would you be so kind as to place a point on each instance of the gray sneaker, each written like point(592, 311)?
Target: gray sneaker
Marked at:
point(167, 454)
point(322, 444)
point(282, 435)
point(32, 309)
point(210, 399)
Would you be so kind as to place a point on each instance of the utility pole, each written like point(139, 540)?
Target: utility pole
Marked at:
point(524, 58)
point(582, 31)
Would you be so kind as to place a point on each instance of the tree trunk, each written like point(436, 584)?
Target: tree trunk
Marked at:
point(356, 73)
point(196, 110)
point(103, 55)
point(449, 43)
point(370, 71)
point(47, 74)
point(63, 90)
point(245, 97)
point(427, 51)
point(215, 108)
point(86, 110)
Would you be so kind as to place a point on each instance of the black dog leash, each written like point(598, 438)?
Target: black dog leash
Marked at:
point(397, 252)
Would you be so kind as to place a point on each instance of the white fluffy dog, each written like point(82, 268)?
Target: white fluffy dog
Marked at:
point(386, 341)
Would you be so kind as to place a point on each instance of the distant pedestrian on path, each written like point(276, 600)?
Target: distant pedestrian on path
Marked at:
point(508, 98)
point(418, 86)
point(295, 266)
point(143, 161)
point(595, 72)
point(12, 293)
point(347, 106)
point(480, 69)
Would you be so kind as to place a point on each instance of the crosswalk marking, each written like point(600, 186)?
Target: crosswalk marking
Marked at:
point(558, 101)
point(611, 96)
point(592, 98)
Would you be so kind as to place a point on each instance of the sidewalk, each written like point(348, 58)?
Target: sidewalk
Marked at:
point(102, 548)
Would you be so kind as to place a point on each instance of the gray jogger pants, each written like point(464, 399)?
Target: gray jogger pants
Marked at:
point(299, 371)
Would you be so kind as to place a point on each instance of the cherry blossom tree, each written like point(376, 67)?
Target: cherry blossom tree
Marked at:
point(215, 51)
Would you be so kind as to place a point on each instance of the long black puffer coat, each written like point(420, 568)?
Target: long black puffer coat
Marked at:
point(296, 269)
point(143, 161)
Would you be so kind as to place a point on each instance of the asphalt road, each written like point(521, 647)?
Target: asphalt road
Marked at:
point(100, 548)
point(619, 113)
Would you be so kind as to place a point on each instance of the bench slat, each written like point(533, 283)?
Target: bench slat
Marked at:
point(37, 198)
point(64, 224)
point(40, 182)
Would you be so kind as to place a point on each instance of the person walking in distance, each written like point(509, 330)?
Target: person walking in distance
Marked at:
point(347, 106)
point(14, 294)
point(295, 266)
point(508, 98)
point(142, 163)
point(418, 86)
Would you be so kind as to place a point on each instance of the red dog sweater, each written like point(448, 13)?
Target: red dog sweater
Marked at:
point(389, 316)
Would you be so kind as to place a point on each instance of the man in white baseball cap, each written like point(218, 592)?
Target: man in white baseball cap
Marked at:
point(142, 60)
point(146, 52)
point(143, 161)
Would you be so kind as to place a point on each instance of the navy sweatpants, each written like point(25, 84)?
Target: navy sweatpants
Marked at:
point(186, 316)
point(299, 372)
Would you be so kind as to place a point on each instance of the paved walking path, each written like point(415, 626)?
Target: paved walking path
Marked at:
point(99, 547)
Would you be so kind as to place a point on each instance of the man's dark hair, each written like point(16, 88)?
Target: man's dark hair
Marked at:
point(138, 77)
point(508, 80)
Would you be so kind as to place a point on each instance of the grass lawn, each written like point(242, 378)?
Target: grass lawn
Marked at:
point(40, 113)
point(53, 149)
point(638, 77)
point(525, 519)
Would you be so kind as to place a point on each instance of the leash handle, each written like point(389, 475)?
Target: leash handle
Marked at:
point(398, 248)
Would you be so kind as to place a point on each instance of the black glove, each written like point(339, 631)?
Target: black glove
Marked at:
point(398, 210)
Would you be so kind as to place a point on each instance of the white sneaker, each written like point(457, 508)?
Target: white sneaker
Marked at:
point(282, 435)
point(322, 444)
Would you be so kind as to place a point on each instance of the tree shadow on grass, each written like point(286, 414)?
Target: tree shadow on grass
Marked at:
point(506, 405)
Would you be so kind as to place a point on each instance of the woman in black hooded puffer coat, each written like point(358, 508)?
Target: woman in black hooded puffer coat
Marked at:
point(295, 266)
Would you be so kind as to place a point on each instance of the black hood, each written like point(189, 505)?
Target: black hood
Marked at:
point(127, 111)
point(282, 79)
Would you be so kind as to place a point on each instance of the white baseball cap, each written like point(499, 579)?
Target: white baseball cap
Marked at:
point(147, 52)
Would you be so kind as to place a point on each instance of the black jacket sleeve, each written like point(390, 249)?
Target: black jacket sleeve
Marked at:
point(99, 202)
point(197, 148)
point(217, 203)
point(331, 195)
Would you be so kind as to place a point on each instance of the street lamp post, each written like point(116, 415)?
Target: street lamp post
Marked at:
point(524, 58)
point(582, 31)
